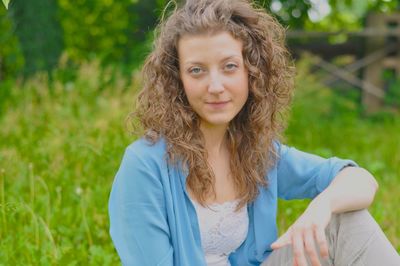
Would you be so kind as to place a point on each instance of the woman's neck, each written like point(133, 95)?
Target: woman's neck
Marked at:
point(215, 139)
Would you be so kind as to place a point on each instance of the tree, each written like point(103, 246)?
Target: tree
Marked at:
point(39, 33)
point(326, 15)
point(95, 28)
point(11, 59)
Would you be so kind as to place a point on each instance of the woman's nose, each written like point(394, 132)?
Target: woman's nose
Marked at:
point(215, 85)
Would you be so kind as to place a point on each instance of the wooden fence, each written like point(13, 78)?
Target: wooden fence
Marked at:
point(376, 49)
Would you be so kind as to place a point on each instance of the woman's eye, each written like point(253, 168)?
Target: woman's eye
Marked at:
point(231, 66)
point(195, 70)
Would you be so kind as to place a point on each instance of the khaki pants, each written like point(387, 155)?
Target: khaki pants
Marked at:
point(354, 238)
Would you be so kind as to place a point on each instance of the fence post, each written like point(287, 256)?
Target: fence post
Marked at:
point(389, 24)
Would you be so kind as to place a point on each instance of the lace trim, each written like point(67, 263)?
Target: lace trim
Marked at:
point(222, 229)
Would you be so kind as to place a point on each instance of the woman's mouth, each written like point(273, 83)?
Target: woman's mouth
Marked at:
point(217, 104)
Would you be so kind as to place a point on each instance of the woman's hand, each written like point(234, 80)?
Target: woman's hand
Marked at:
point(308, 233)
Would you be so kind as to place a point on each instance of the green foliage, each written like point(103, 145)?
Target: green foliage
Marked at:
point(6, 2)
point(11, 58)
point(392, 96)
point(339, 15)
point(39, 33)
point(291, 13)
point(63, 145)
point(114, 31)
point(94, 28)
point(393, 93)
point(141, 30)
point(350, 15)
point(120, 31)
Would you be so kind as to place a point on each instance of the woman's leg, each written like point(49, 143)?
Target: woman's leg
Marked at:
point(354, 238)
point(284, 257)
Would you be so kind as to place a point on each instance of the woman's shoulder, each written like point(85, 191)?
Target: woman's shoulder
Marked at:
point(145, 149)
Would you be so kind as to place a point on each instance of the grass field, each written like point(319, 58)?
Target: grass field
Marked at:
point(61, 145)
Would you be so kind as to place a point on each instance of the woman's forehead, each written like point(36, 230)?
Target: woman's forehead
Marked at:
point(201, 47)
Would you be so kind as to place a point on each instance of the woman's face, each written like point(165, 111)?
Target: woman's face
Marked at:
point(214, 76)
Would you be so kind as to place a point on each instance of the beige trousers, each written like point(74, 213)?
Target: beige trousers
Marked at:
point(354, 238)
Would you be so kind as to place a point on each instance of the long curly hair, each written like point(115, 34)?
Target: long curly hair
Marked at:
point(164, 111)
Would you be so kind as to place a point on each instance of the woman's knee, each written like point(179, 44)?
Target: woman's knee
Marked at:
point(358, 220)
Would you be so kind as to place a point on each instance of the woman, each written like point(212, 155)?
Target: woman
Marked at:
point(201, 186)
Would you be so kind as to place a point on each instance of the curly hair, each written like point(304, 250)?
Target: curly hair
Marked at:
point(163, 109)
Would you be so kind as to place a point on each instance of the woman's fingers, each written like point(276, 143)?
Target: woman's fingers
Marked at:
point(282, 241)
point(298, 248)
point(304, 245)
point(310, 247)
point(308, 241)
point(321, 242)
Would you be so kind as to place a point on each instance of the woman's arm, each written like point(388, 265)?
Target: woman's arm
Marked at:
point(138, 219)
point(352, 188)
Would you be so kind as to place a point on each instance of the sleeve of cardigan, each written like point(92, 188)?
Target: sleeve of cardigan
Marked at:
point(303, 175)
point(138, 220)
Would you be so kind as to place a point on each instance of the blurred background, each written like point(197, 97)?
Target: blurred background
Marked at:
point(69, 72)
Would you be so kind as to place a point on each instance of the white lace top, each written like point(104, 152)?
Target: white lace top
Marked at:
point(222, 230)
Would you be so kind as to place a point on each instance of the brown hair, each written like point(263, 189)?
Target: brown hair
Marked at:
point(163, 109)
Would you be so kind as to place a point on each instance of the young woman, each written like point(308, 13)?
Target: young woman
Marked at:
point(201, 186)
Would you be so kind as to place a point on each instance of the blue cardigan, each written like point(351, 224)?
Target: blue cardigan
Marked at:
point(153, 221)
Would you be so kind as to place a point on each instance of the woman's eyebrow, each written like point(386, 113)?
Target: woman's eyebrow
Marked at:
point(195, 62)
point(231, 57)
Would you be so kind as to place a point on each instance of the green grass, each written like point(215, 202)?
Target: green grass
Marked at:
point(61, 145)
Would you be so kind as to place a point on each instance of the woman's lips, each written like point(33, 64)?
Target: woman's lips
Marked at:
point(217, 104)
